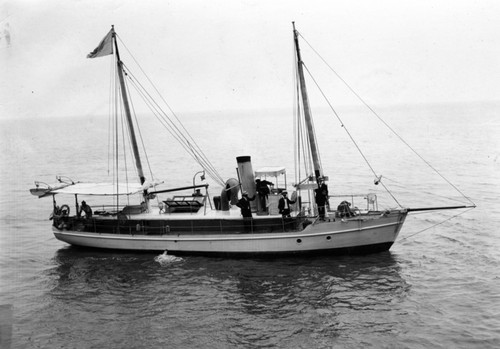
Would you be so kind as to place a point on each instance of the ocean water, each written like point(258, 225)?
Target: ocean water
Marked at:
point(438, 286)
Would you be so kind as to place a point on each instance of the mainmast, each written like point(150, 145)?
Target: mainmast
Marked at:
point(133, 139)
point(307, 110)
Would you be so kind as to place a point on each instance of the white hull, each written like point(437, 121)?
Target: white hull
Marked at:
point(187, 223)
point(356, 235)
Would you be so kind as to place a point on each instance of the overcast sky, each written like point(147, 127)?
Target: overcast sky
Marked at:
point(237, 54)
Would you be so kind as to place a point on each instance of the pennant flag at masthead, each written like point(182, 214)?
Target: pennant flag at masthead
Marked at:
point(104, 48)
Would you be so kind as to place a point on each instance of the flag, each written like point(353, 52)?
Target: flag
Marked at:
point(104, 48)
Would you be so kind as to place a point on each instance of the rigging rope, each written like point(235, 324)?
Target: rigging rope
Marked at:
point(184, 137)
point(117, 96)
point(190, 146)
point(175, 132)
point(296, 148)
point(110, 106)
point(142, 142)
point(122, 123)
point(300, 130)
point(432, 226)
point(350, 136)
point(139, 131)
point(383, 121)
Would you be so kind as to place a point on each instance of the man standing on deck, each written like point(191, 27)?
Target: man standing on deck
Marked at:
point(244, 205)
point(284, 205)
point(321, 197)
point(246, 211)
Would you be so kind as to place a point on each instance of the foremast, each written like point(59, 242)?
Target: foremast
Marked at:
point(126, 106)
point(318, 172)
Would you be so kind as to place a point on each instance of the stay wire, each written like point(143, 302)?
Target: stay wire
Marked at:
point(116, 139)
point(125, 135)
point(383, 121)
point(350, 136)
point(217, 178)
point(112, 83)
point(157, 113)
point(139, 131)
point(151, 101)
point(143, 145)
point(296, 148)
point(195, 152)
point(174, 130)
point(305, 143)
point(434, 225)
point(301, 139)
point(122, 123)
point(117, 146)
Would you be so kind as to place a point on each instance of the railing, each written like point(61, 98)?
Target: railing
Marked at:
point(122, 225)
point(371, 200)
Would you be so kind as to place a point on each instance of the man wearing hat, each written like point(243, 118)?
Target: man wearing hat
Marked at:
point(284, 204)
point(246, 211)
point(244, 205)
point(321, 198)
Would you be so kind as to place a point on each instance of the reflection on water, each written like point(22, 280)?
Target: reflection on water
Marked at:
point(435, 289)
point(263, 302)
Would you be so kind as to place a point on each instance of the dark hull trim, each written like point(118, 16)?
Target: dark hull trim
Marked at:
point(358, 250)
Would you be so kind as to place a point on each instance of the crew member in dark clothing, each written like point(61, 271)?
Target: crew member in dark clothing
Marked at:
point(284, 205)
point(262, 187)
point(344, 209)
point(246, 211)
point(321, 200)
point(86, 209)
point(324, 189)
point(244, 205)
point(197, 193)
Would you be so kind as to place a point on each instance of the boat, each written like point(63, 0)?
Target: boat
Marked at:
point(142, 216)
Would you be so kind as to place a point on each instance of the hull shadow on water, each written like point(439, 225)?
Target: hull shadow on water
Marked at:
point(267, 302)
point(348, 281)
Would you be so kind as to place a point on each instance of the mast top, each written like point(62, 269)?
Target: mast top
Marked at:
point(318, 172)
